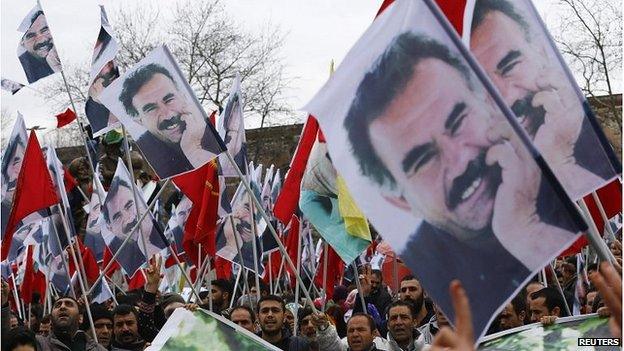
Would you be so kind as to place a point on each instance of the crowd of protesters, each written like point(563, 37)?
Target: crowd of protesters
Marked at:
point(406, 319)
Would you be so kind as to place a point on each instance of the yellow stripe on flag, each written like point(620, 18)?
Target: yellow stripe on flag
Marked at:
point(355, 222)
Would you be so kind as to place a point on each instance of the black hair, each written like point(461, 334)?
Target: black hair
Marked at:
point(224, 285)
point(405, 303)
point(483, 7)
point(519, 303)
point(124, 310)
point(136, 80)
point(303, 313)
point(552, 299)
point(377, 272)
point(68, 297)
point(387, 79)
point(34, 17)
point(246, 308)
point(19, 336)
point(371, 321)
point(271, 298)
point(112, 191)
point(408, 277)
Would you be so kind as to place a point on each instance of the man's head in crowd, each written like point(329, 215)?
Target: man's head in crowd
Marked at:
point(36, 313)
point(531, 288)
point(408, 96)
point(360, 332)
point(152, 95)
point(411, 290)
point(401, 321)
point(546, 302)
point(271, 310)
point(103, 323)
point(221, 293)
point(66, 316)
point(171, 301)
point(125, 325)
point(514, 313)
point(306, 325)
point(19, 339)
point(45, 326)
point(244, 317)
point(441, 317)
point(589, 301)
point(376, 280)
point(14, 321)
point(289, 319)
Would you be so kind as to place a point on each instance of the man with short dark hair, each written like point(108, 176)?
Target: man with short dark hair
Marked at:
point(126, 329)
point(402, 335)
point(514, 313)
point(360, 332)
point(221, 293)
point(65, 334)
point(271, 317)
point(103, 323)
point(411, 290)
point(177, 137)
point(244, 317)
point(39, 58)
point(546, 302)
point(45, 326)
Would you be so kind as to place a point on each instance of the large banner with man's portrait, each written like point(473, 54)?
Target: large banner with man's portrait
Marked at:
point(160, 111)
point(437, 167)
point(510, 42)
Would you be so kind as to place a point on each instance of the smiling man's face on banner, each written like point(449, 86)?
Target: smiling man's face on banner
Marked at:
point(37, 40)
point(120, 211)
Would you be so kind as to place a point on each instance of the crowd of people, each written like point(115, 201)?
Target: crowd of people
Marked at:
point(408, 320)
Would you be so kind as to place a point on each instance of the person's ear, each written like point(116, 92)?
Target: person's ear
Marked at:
point(556, 311)
point(522, 315)
point(398, 201)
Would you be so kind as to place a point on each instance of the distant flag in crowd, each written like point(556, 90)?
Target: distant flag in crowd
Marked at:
point(65, 118)
point(175, 227)
point(34, 190)
point(334, 273)
point(10, 85)
point(11, 164)
point(36, 50)
point(231, 127)
point(287, 201)
point(119, 216)
point(326, 202)
point(103, 72)
point(93, 232)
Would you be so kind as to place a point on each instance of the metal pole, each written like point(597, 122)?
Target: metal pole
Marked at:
point(297, 284)
point(254, 246)
point(16, 296)
point(603, 214)
point(267, 219)
point(209, 284)
point(359, 287)
point(127, 239)
point(238, 275)
point(270, 275)
point(594, 238)
point(325, 257)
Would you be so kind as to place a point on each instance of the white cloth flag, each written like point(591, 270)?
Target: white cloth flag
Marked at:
point(437, 166)
point(36, 51)
point(231, 127)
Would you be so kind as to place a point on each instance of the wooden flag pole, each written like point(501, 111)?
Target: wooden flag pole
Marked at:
point(325, 257)
point(359, 287)
point(127, 239)
point(268, 221)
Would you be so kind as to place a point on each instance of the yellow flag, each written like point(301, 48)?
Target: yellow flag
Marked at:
point(355, 222)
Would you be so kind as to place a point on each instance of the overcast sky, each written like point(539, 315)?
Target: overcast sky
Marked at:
point(317, 31)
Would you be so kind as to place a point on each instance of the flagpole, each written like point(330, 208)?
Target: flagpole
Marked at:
point(58, 241)
point(565, 301)
point(395, 274)
point(134, 195)
point(270, 272)
point(80, 281)
point(254, 246)
point(16, 295)
point(297, 284)
point(82, 132)
point(175, 257)
point(359, 287)
point(235, 288)
point(279, 274)
point(240, 255)
point(127, 239)
point(603, 214)
point(267, 219)
point(209, 284)
point(325, 256)
point(594, 238)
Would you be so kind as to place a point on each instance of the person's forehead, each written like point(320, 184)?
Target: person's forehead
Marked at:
point(270, 304)
point(411, 282)
point(401, 309)
point(124, 317)
point(357, 321)
point(241, 314)
point(156, 85)
point(103, 321)
point(38, 23)
point(65, 301)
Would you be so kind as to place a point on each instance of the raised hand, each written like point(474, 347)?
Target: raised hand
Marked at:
point(462, 338)
point(609, 284)
point(152, 274)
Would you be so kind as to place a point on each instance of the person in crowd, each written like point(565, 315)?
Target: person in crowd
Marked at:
point(45, 326)
point(411, 290)
point(530, 289)
point(36, 313)
point(171, 301)
point(65, 333)
point(431, 329)
point(546, 302)
point(150, 316)
point(126, 329)
point(361, 332)
point(221, 292)
point(245, 317)
point(20, 339)
point(271, 309)
point(514, 313)
point(589, 301)
point(103, 323)
point(402, 336)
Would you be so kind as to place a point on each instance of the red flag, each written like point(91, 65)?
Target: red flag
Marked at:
point(34, 190)
point(137, 281)
point(292, 242)
point(92, 270)
point(223, 267)
point(288, 199)
point(68, 180)
point(453, 9)
point(108, 256)
point(65, 118)
point(26, 289)
point(271, 270)
point(202, 188)
point(335, 270)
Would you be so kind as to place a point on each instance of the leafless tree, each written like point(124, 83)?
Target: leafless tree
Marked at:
point(7, 120)
point(590, 39)
point(210, 48)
